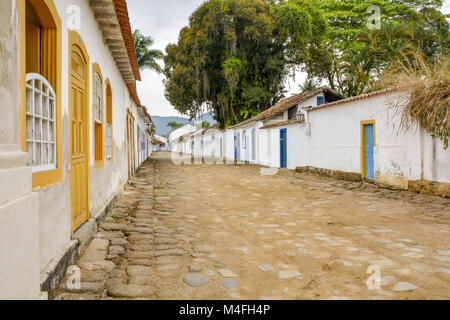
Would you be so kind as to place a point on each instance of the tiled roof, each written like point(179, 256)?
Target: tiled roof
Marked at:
point(281, 123)
point(355, 98)
point(124, 21)
point(133, 94)
point(214, 126)
point(285, 104)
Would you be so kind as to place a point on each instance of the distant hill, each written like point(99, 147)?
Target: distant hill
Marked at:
point(207, 117)
point(161, 123)
point(163, 129)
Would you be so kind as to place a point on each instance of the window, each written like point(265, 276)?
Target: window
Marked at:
point(319, 101)
point(97, 98)
point(41, 123)
point(98, 115)
point(40, 28)
point(244, 140)
point(292, 112)
point(109, 122)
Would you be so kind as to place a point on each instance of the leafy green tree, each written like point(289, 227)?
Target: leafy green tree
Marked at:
point(146, 57)
point(174, 125)
point(205, 124)
point(409, 27)
point(235, 55)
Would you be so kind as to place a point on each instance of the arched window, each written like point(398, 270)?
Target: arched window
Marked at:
point(41, 123)
point(98, 115)
point(41, 58)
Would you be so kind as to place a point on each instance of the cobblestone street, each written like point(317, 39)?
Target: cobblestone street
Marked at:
point(228, 232)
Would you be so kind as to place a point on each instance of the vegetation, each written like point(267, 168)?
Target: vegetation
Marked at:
point(235, 55)
point(205, 124)
point(174, 125)
point(427, 99)
point(146, 57)
point(352, 57)
point(309, 84)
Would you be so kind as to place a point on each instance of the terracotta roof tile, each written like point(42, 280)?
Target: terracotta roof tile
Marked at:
point(355, 98)
point(124, 21)
point(281, 123)
point(285, 104)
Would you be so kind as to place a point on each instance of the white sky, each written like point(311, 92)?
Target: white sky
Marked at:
point(163, 20)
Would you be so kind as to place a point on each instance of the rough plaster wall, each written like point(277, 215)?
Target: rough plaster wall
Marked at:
point(54, 209)
point(9, 91)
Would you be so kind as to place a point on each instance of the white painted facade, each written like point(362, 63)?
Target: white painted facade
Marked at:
point(399, 156)
point(174, 138)
point(35, 225)
point(330, 137)
point(159, 147)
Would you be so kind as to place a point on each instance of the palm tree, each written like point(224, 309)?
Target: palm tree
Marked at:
point(309, 84)
point(146, 57)
point(392, 43)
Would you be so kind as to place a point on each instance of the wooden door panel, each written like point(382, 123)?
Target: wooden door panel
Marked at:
point(78, 147)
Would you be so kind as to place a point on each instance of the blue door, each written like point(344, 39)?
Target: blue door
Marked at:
point(235, 147)
point(283, 148)
point(368, 145)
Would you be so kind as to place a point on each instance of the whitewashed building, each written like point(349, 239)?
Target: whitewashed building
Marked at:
point(269, 137)
point(363, 136)
point(177, 138)
point(355, 138)
point(72, 134)
point(160, 143)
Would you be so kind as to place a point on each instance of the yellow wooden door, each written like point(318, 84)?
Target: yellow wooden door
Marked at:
point(78, 141)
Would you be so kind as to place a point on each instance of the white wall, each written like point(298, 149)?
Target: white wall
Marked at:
point(335, 143)
point(54, 216)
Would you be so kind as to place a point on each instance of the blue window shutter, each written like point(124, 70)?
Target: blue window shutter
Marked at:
point(319, 101)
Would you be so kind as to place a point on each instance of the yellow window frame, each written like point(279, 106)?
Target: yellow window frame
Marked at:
point(109, 111)
point(98, 148)
point(50, 19)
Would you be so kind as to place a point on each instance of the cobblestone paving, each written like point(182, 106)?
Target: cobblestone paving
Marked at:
point(228, 232)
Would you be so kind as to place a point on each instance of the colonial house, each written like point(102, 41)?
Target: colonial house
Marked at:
point(159, 143)
point(269, 137)
point(362, 137)
point(356, 138)
point(213, 142)
point(73, 132)
point(177, 137)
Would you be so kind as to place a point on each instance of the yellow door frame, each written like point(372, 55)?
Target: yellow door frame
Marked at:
point(76, 40)
point(363, 145)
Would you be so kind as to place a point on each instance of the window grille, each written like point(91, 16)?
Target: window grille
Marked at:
point(98, 98)
point(41, 123)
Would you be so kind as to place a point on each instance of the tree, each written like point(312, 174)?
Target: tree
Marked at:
point(427, 33)
point(309, 84)
point(235, 56)
point(147, 58)
point(174, 125)
point(205, 124)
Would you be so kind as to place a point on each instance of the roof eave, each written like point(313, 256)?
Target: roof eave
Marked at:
point(113, 20)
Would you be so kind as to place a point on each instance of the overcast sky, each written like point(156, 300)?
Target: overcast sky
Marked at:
point(163, 20)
